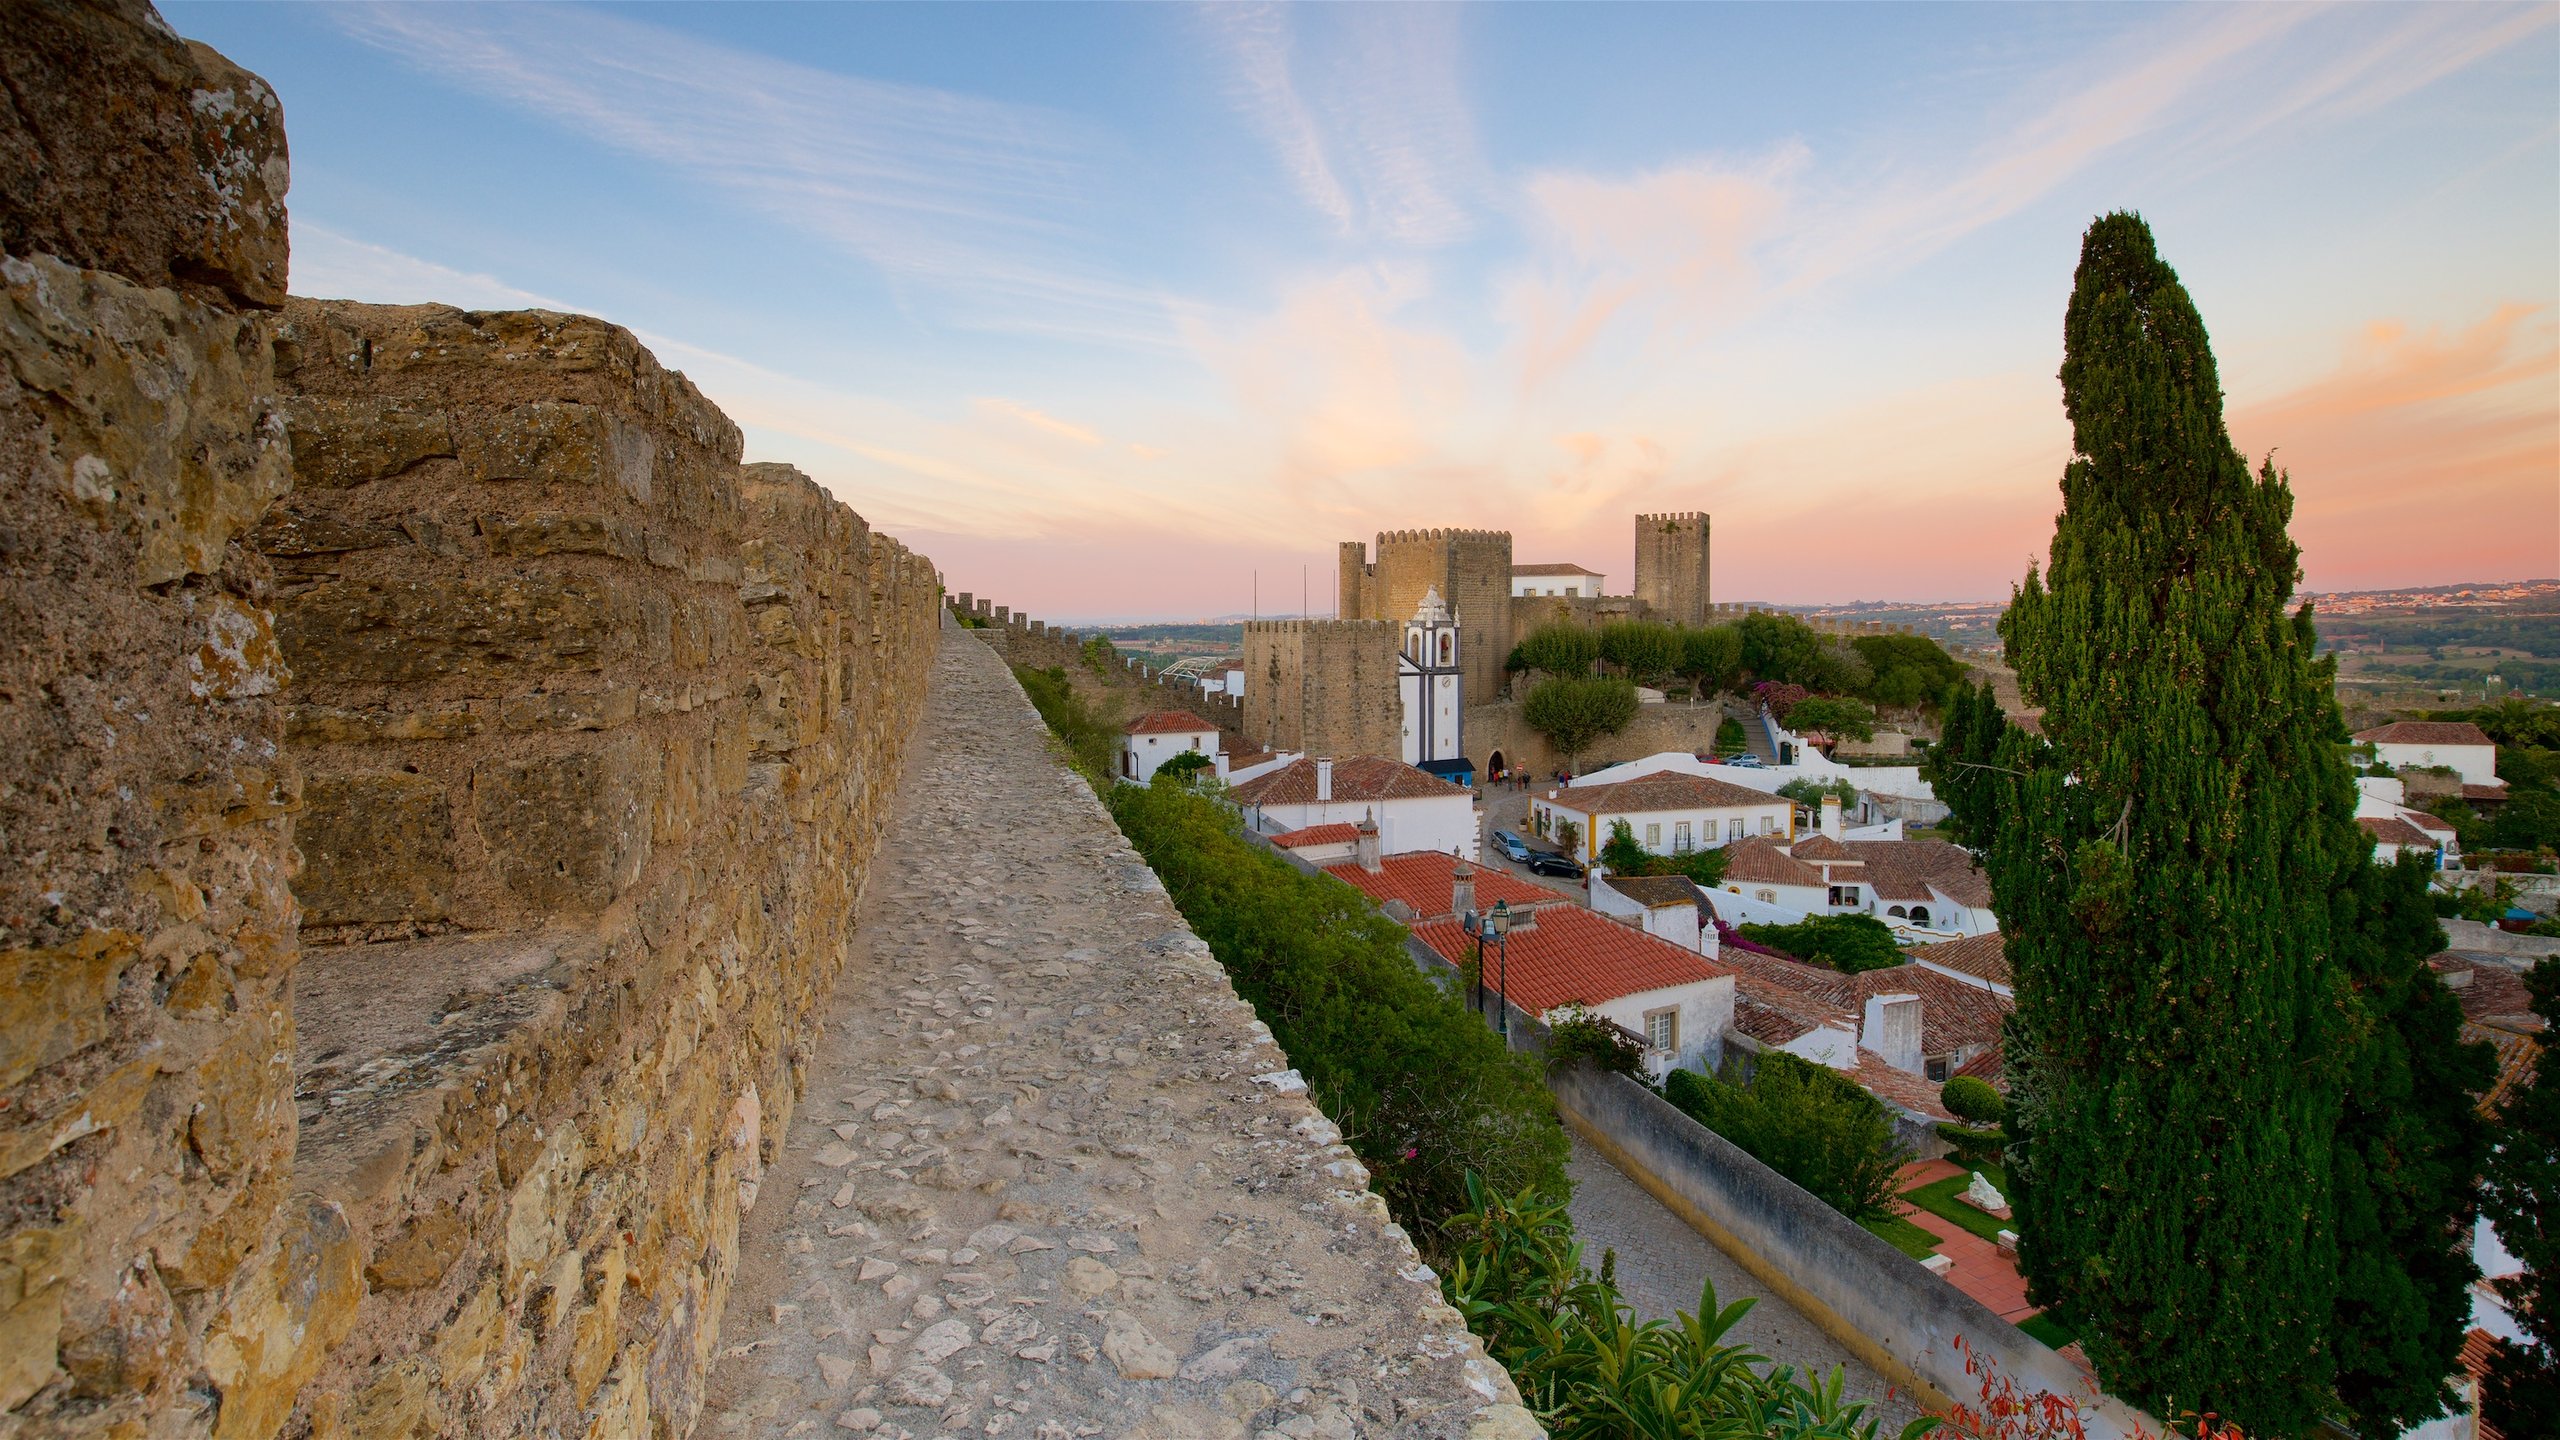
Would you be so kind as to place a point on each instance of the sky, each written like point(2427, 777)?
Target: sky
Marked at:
point(1135, 311)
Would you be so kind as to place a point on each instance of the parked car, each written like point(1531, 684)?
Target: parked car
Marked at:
point(1547, 862)
point(1511, 845)
point(1746, 762)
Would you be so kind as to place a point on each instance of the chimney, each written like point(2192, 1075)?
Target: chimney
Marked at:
point(1462, 888)
point(1831, 814)
point(1324, 781)
point(1892, 1031)
point(1365, 847)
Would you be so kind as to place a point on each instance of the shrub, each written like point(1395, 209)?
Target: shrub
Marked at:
point(1578, 1037)
point(1572, 712)
point(1424, 1093)
point(1100, 655)
point(1805, 1122)
point(1841, 719)
point(1970, 1098)
point(1089, 739)
point(1850, 943)
point(1729, 737)
point(1590, 1370)
point(1972, 1148)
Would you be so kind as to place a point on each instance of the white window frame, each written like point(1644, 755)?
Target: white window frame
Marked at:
point(1662, 1030)
point(1682, 841)
point(1653, 836)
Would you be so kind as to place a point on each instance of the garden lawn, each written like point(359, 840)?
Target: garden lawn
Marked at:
point(1938, 1197)
point(1904, 1236)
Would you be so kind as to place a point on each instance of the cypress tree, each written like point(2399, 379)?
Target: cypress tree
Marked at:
point(2163, 858)
point(2523, 1391)
point(2410, 1148)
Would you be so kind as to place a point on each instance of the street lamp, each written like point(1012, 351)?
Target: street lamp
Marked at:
point(1500, 923)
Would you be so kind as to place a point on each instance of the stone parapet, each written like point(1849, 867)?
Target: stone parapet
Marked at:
point(595, 724)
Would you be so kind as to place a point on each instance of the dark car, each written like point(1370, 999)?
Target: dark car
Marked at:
point(1547, 862)
point(1511, 845)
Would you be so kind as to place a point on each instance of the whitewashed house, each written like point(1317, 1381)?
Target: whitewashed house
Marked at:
point(1678, 1001)
point(1412, 810)
point(1151, 740)
point(1663, 906)
point(1555, 579)
point(1669, 813)
point(2457, 745)
point(1923, 889)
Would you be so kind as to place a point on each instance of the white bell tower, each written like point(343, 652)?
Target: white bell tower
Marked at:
point(1428, 683)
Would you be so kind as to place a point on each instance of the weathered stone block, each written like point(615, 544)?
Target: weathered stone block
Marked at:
point(375, 848)
point(54, 1002)
point(582, 710)
point(555, 533)
point(269, 1340)
point(125, 148)
point(568, 833)
point(409, 631)
point(338, 443)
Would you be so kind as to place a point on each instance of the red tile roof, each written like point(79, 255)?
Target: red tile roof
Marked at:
point(2392, 830)
point(1823, 847)
point(2491, 994)
point(2432, 824)
point(1551, 568)
point(1954, 1015)
point(2477, 1348)
point(2517, 1055)
point(1985, 957)
point(1362, 777)
point(1758, 861)
point(2425, 732)
point(1654, 892)
point(1340, 832)
point(1917, 1093)
point(1905, 869)
point(1990, 1067)
point(1574, 955)
point(1421, 879)
point(2494, 794)
point(1673, 791)
point(1769, 1024)
point(1169, 722)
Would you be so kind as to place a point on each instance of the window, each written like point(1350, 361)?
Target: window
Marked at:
point(1732, 827)
point(1766, 897)
point(1448, 649)
point(1844, 895)
point(1937, 1069)
point(1662, 1029)
point(1898, 912)
point(1653, 835)
point(1681, 841)
point(1919, 914)
point(1768, 824)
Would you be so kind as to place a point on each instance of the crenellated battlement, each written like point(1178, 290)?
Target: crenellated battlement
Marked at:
point(1413, 537)
point(1674, 516)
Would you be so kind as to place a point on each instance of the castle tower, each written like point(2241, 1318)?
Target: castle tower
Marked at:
point(1470, 568)
point(1429, 686)
point(1671, 566)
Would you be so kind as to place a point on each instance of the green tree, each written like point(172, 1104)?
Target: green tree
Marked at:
point(2409, 1145)
point(1840, 718)
point(1849, 943)
point(1808, 792)
point(1909, 670)
point(2161, 861)
point(2523, 1197)
point(1711, 657)
point(1556, 649)
point(1100, 655)
point(1805, 1122)
point(1573, 711)
point(1645, 651)
point(1622, 854)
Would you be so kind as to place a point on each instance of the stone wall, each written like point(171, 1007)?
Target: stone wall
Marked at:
point(1676, 725)
point(1038, 645)
point(442, 1126)
point(1671, 566)
point(154, 1257)
point(1327, 687)
point(598, 728)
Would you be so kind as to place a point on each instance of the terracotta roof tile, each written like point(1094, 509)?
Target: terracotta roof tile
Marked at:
point(1954, 1015)
point(2392, 830)
point(1340, 832)
point(1904, 869)
point(1991, 1067)
point(1766, 1023)
point(1985, 957)
point(1168, 722)
point(1916, 1093)
point(1654, 891)
point(1672, 791)
point(2425, 732)
point(2491, 993)
point(1574, 955)
point(1362, 777)
point(2517, 1055)
point(1823, 847)
point(1421, 879)
point(2495, 794)
point(1758, 861)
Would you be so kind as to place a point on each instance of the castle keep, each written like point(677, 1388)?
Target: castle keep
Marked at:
point(1671, 567)
point(1470, 568)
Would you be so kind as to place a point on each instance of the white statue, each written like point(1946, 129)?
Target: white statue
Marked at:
point(1982, 1196)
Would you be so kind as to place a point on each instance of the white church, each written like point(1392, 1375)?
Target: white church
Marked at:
point(1427, 683)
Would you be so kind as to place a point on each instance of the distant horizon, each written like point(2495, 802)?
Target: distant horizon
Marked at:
point(1240, 617)
point(1111, 306)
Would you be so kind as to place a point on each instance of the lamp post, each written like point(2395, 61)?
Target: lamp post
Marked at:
point(1500, 923)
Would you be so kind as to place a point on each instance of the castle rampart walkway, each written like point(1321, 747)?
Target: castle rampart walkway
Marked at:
point(1045, 1181)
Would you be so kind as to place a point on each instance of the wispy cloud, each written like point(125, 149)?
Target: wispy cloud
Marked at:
point(975, 201)
point(1366, 118)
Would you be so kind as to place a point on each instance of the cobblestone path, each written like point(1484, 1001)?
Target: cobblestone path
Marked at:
point(1050, 1177)
point(1661, 1262)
